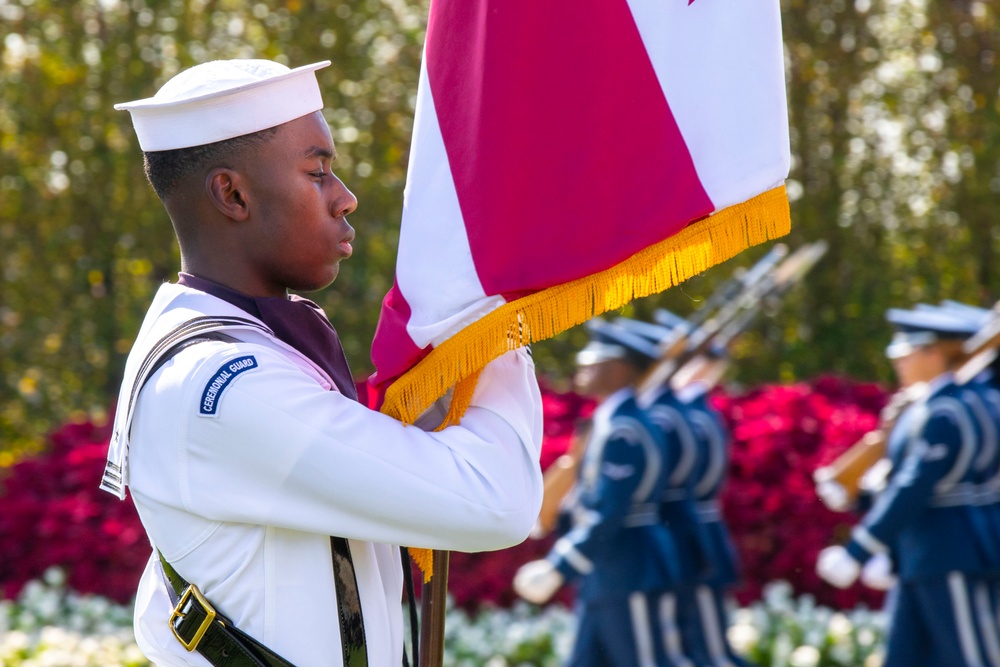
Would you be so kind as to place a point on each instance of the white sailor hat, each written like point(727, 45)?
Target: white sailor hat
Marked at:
point(223, 99)
point(973, 317)
point(669, 319)
point(609, 341)
point(925, 325)
point(652, 332)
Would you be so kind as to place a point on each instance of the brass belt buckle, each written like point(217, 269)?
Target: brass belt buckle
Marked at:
point(177, 613)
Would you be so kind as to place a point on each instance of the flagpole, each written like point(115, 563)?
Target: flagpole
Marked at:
point(432, 607)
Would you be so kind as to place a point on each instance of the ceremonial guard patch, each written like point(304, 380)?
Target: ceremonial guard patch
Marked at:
point(223, 378)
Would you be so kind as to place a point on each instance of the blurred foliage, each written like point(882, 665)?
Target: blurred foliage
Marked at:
point(895, 137)
point(83, 239)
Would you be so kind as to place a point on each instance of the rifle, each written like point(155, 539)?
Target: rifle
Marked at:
point(767, 279)
point(559, 479)
point(981, 349)
point(687, 339)
point(741, 280)
point(785, 276)
point(839, 483)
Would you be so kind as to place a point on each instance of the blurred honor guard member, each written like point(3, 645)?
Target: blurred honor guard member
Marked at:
point(928, 517)
point(708, 556)
point(677, 507)
point(238, 430)
point(694, 381)
point(617, 550)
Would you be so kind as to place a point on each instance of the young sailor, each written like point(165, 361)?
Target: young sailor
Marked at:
point(272, 498)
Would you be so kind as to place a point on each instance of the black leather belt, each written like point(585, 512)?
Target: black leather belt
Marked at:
point(200, 627)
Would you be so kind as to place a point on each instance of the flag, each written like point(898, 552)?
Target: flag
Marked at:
point(566, 158)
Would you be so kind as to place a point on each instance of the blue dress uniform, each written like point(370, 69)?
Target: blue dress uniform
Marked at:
point(982, 396)
point(707, 558)
point(930, 517)
point(679, 515)
point(617, 550)
point(713, 441)
point(985, 388)
point(942, 550)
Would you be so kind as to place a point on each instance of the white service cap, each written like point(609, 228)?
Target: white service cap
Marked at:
point(223, 99)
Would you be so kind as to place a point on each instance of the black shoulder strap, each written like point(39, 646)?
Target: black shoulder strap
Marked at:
point(352, 627)
point(187, 342)
point(114, 478)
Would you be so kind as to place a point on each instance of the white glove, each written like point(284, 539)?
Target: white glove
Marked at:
point(833, 495)
point(875, 478)
point(537, 581)
point(837, 567)
point(877, 573)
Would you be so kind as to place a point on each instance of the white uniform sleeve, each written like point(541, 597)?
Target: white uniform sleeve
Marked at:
point(279, 450)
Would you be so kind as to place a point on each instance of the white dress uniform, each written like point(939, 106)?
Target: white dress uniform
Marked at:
point(241, 496)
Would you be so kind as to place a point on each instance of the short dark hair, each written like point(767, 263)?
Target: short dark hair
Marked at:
point(166, 169)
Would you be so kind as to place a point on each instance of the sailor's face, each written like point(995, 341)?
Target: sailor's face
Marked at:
point(602, 379)
point(301, 208)
point(923, 364)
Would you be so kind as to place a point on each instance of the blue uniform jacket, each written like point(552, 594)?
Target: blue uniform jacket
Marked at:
point(713, 441)
point(678, 502)
point(617, 544)
point(928, 515)
point(983, 397)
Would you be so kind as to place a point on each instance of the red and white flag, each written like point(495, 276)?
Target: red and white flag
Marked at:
point(568, 157)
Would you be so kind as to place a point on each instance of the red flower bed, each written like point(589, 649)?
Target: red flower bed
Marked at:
point(54, 514)
point(781, 434)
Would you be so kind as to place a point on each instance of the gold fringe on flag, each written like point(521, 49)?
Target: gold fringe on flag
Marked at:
point(544, 314)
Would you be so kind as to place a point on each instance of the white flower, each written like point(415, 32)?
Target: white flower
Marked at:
point(866, 637)
point(47, 605)
point(54, 576)
point(874, 660)
point(15, 640)
point(804, 656)
point(778, 594)
point(840, 628)
point(743, 636)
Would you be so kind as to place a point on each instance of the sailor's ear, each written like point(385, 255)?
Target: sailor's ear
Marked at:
point(227, 190)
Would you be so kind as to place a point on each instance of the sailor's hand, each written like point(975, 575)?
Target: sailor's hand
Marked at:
point(537, 581)
point(833, 495)
point(837, 567)
point(877, 573)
